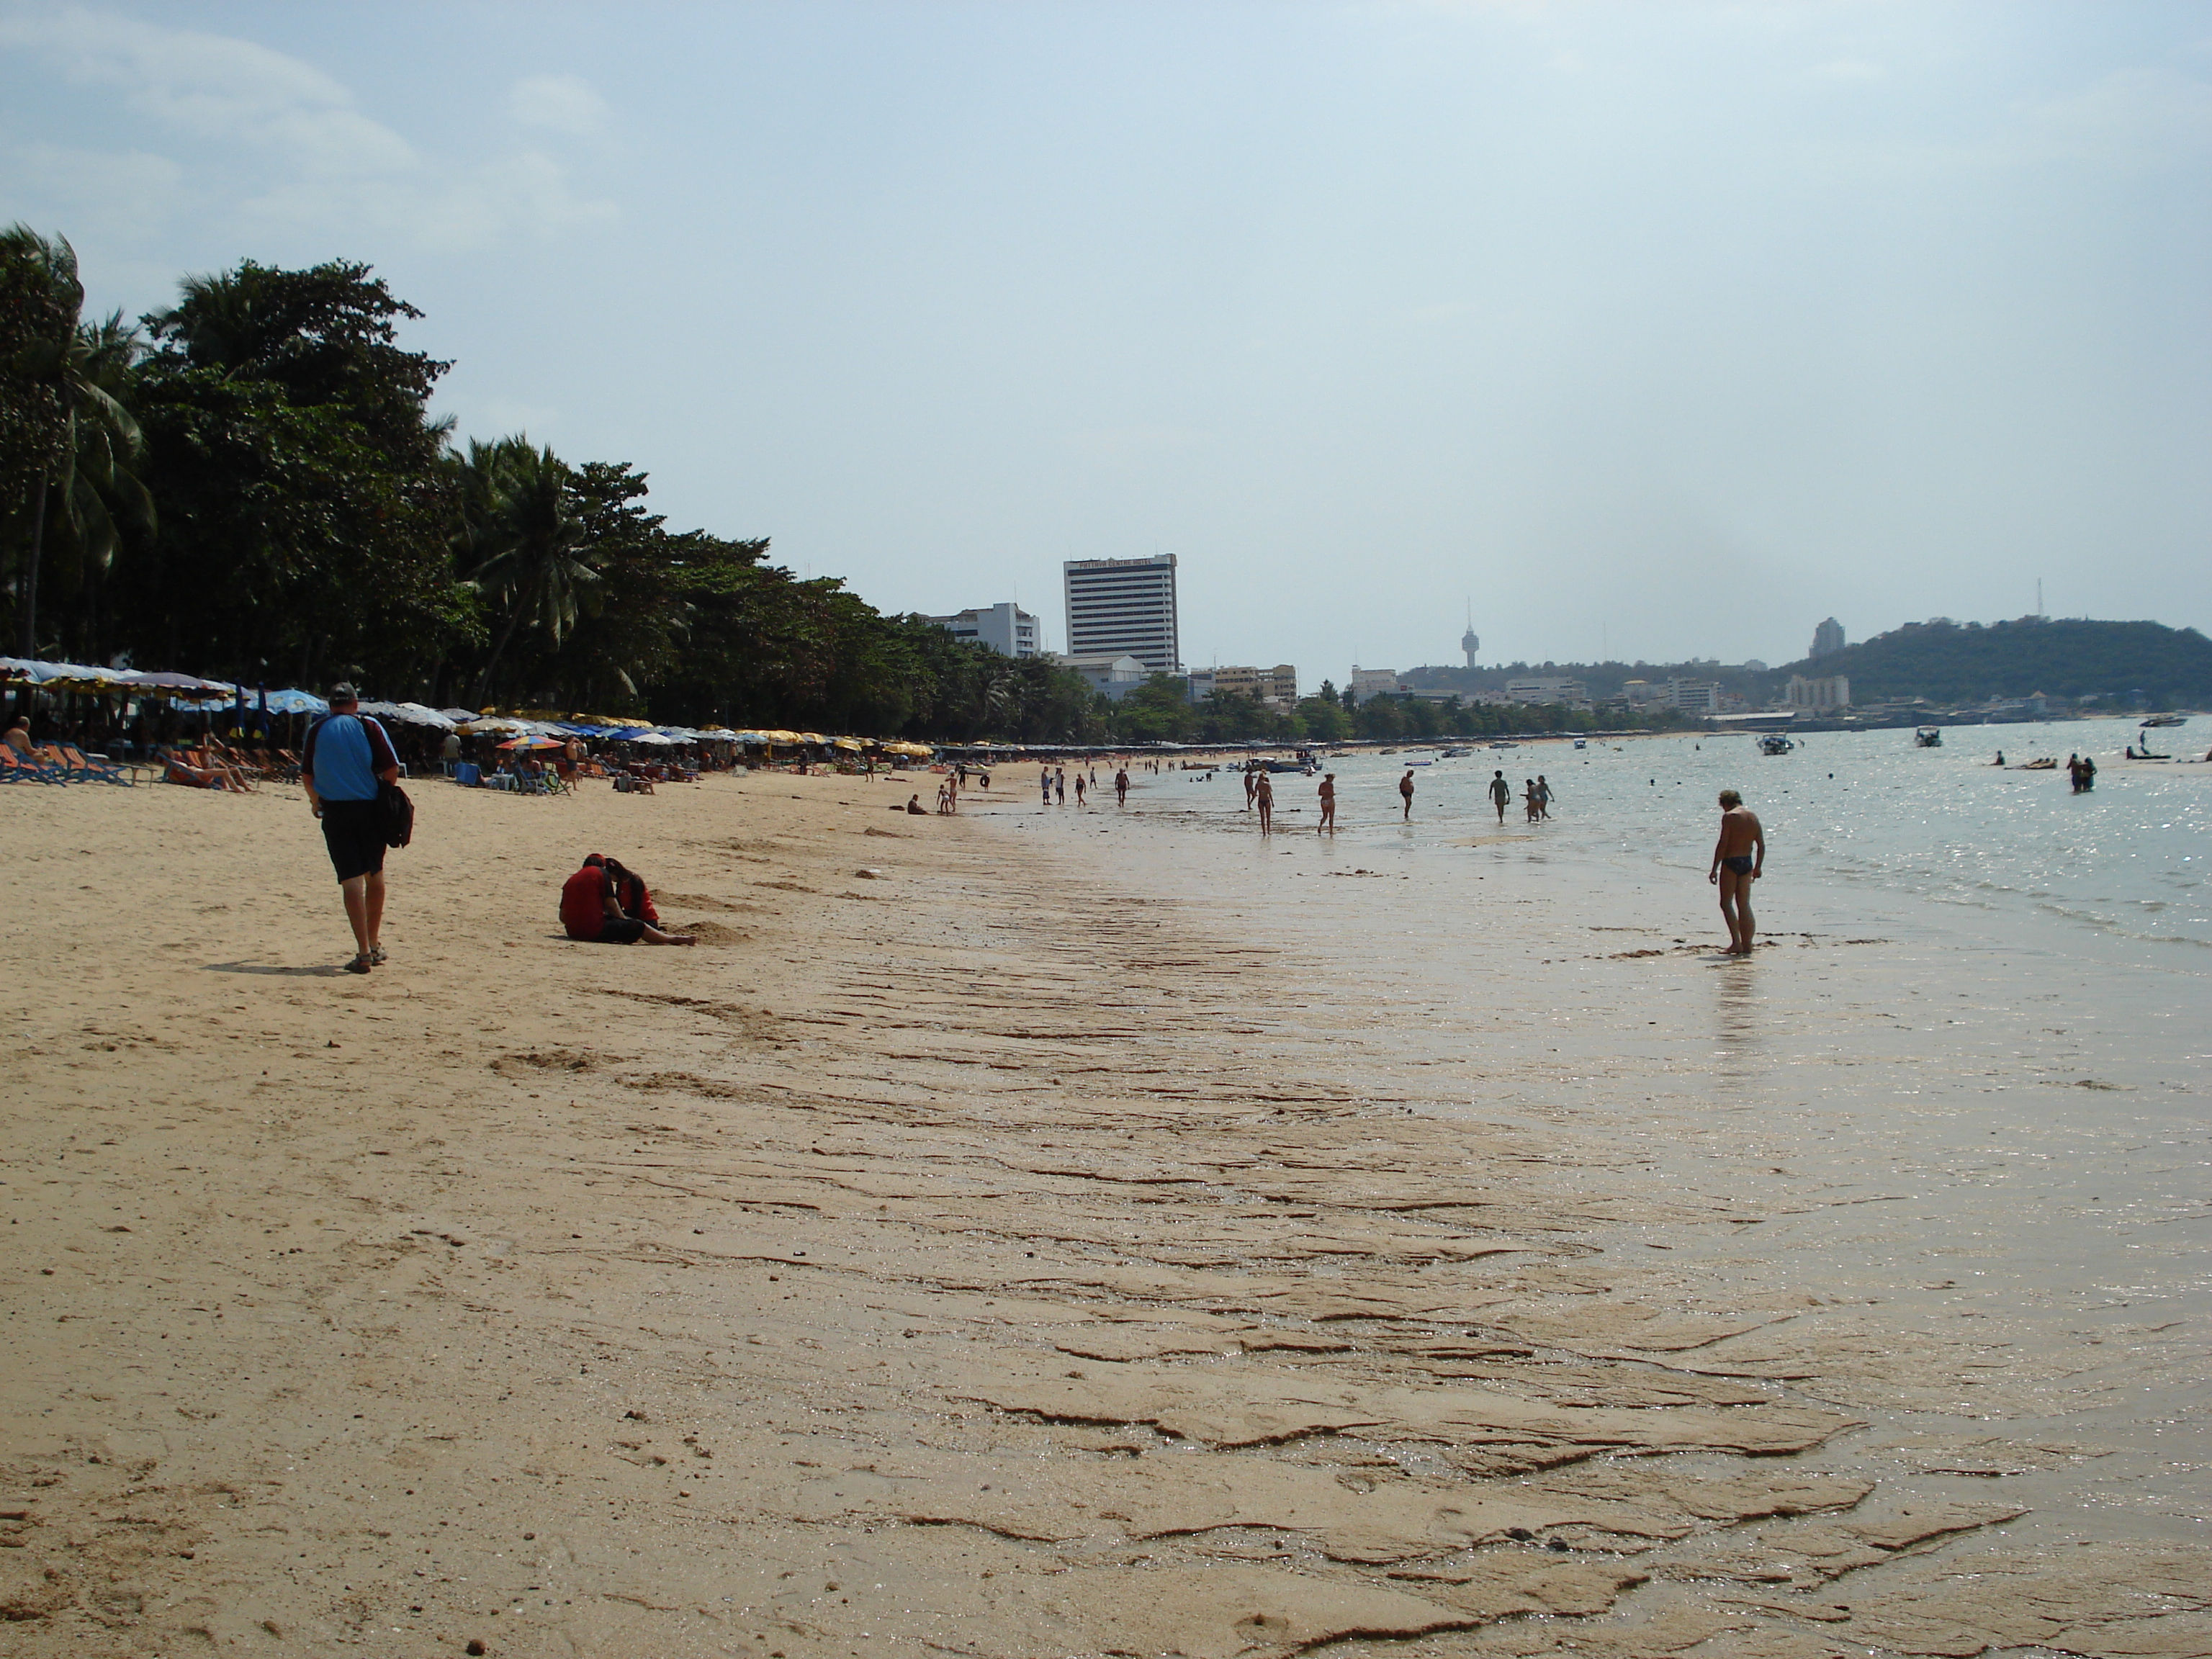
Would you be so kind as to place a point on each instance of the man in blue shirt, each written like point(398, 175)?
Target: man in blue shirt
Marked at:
point(347, 756)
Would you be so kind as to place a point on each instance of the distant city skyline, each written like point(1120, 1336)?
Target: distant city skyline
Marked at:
point(1662, 330)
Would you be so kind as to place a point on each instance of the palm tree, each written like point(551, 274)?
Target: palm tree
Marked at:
point(98, 490)
point(518, 538)
point(90, 473)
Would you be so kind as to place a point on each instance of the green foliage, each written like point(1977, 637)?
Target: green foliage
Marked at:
point(259, 493)
point(1950, 663)
point(305, 510)
point(39, 299)
point(72, 487)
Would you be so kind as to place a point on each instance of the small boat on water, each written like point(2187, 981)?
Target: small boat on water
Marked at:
point(1504, 745)
point(1580, 743)
point(1462, 754)
point(1928, 736)
point(2166, 719)
point(1773, 743)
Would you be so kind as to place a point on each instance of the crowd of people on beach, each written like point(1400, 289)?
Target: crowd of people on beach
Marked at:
point(350, 768)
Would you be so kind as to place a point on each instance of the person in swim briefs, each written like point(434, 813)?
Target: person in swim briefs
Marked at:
point(1739, 860)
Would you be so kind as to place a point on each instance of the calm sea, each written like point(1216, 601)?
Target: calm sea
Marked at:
point(1863, 814)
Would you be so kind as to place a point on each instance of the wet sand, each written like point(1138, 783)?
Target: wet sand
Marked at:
point(1046, 1241)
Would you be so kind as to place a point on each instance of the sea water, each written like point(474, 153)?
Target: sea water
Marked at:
point(2123, 864)
point(1964, 1085)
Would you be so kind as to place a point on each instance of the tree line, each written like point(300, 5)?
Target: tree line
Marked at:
point(249, 485)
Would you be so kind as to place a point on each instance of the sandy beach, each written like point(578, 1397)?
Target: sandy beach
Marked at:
point(1009, 1236)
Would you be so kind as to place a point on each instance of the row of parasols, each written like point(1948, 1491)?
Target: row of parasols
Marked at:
point(188, 691)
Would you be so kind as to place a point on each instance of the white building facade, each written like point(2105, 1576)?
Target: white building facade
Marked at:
point(1373, 683)
point(1007, 629)
point(1118, 607)
point(1554, 688)
point(1693, 696)
point(1822, 695)
point(1115, 675)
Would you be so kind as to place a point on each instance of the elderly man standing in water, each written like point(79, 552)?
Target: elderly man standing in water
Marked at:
point(1735, 867)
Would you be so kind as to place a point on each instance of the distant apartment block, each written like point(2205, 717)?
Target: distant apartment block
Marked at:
point(1007, 629)
point(1118, 607)
point(1373, 683)
point(1115, 675)
point(1693, 696)
point(1821, 697)
point(1279, 684)
point(1554, 688)
point(1828, 639)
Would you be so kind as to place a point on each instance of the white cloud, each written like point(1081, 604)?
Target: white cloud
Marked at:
point(292, 149)
point(120, 192)
point(561, 103)
point(212, 86)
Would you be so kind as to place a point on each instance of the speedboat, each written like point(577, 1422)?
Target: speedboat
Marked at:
point(1928, 736)
point(1580, 743)
point(1773, 743)
point(2166, 719)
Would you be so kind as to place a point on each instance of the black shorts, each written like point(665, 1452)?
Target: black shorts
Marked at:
point(354, 832)
point(628, 930)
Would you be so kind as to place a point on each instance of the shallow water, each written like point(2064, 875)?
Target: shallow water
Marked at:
point(1964, 1086)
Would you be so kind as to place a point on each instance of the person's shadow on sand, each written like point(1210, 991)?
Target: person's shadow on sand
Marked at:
point(327, 971)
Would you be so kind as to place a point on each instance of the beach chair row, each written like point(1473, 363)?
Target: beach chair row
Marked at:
point(61, 764)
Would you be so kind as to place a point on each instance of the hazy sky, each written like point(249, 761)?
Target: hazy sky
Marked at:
point(1667, 328)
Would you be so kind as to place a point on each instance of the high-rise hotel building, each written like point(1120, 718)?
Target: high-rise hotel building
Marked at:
point(1124, 607)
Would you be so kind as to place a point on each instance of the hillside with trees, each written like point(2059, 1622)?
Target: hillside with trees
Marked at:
point(1944, 662)
point(2121, 663)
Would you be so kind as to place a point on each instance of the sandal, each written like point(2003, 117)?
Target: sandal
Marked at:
point(359, 965)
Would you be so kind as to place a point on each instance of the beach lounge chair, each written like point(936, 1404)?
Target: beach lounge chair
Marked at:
point(18, 768)
point(87, 769)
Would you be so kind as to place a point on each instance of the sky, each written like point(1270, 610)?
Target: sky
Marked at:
point(1649, 330)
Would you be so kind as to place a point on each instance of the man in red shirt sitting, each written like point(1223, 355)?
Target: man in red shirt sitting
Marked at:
point(590, 909)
